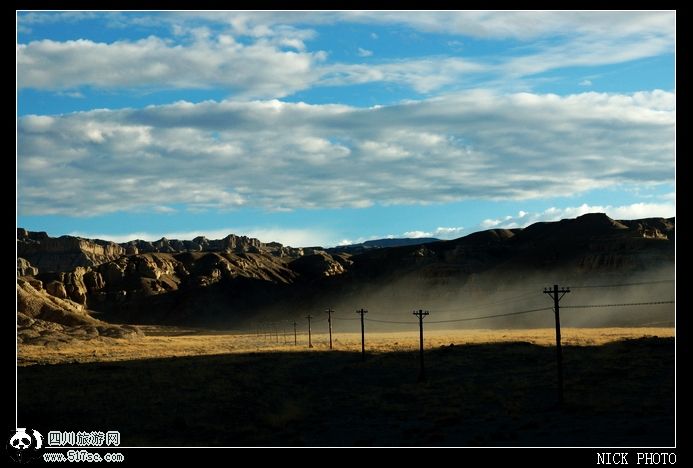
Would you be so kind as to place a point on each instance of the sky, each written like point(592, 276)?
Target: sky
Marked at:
point(327, 128)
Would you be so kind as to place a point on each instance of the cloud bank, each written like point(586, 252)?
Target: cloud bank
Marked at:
point(266, 54)
point(277, 155)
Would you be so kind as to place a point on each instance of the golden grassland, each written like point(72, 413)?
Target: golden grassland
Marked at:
point(163, 342)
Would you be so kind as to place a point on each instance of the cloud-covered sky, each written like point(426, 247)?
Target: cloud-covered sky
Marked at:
point(332, 127)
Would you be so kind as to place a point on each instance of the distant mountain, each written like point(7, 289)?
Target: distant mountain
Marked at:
point(380, 244)
point(236, 280)
point(64, 253)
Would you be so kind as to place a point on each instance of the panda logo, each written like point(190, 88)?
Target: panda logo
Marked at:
point(21, 441)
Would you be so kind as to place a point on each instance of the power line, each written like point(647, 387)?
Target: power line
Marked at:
point(665, 322)
point(640, 283)
point(388, 321)
point(617, 305)
point(530, 293)
point(491, 304)
point(521, 312)
point(490, 316)
point(527, 312)
point(467, 318)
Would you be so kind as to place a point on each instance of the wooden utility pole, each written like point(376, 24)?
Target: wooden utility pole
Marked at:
point(295, 339)
point(421, 314)
point(329, 323)
point(554, 293)
point(310, 342)
point(363, 335)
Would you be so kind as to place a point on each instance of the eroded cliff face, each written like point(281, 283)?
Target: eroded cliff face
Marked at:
point(230, 243)
point(149, 287)
point(64, 253)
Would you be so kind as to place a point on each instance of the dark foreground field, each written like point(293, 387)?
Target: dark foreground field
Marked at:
point(500, 394)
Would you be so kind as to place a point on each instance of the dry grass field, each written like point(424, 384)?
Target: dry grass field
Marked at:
point(162, 342)
point(491, 388)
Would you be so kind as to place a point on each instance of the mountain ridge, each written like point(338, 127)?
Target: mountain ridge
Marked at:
point(246, 279)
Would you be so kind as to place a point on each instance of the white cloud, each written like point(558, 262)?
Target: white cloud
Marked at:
point(423, 75)
point(589, 51)
point(417, 234)
point(164, 209)
point(641, 210)
point(448, 232)
point(71, 94)
point(156, 63)
point(632, 211)
point(31, 18)
point(585, 83)
point(522, 25)
point(364, 52)
point(439, 233)
point(276, 155)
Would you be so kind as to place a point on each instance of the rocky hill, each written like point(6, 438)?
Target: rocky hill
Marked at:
point(63, 254)
point(237, 279)
point(47, 319)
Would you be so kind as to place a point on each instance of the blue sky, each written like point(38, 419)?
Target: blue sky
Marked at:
point(320, 128)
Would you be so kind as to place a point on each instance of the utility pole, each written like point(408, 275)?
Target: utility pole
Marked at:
point(295, 340)
point(329, 323)
point(284, 331)
point(554, 293)
point(421, 314)
point(363, 336)
point(310, 343)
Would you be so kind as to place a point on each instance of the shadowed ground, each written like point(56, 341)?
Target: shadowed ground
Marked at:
point(498, 394)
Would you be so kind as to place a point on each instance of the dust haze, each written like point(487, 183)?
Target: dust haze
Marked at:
point(484, 295)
